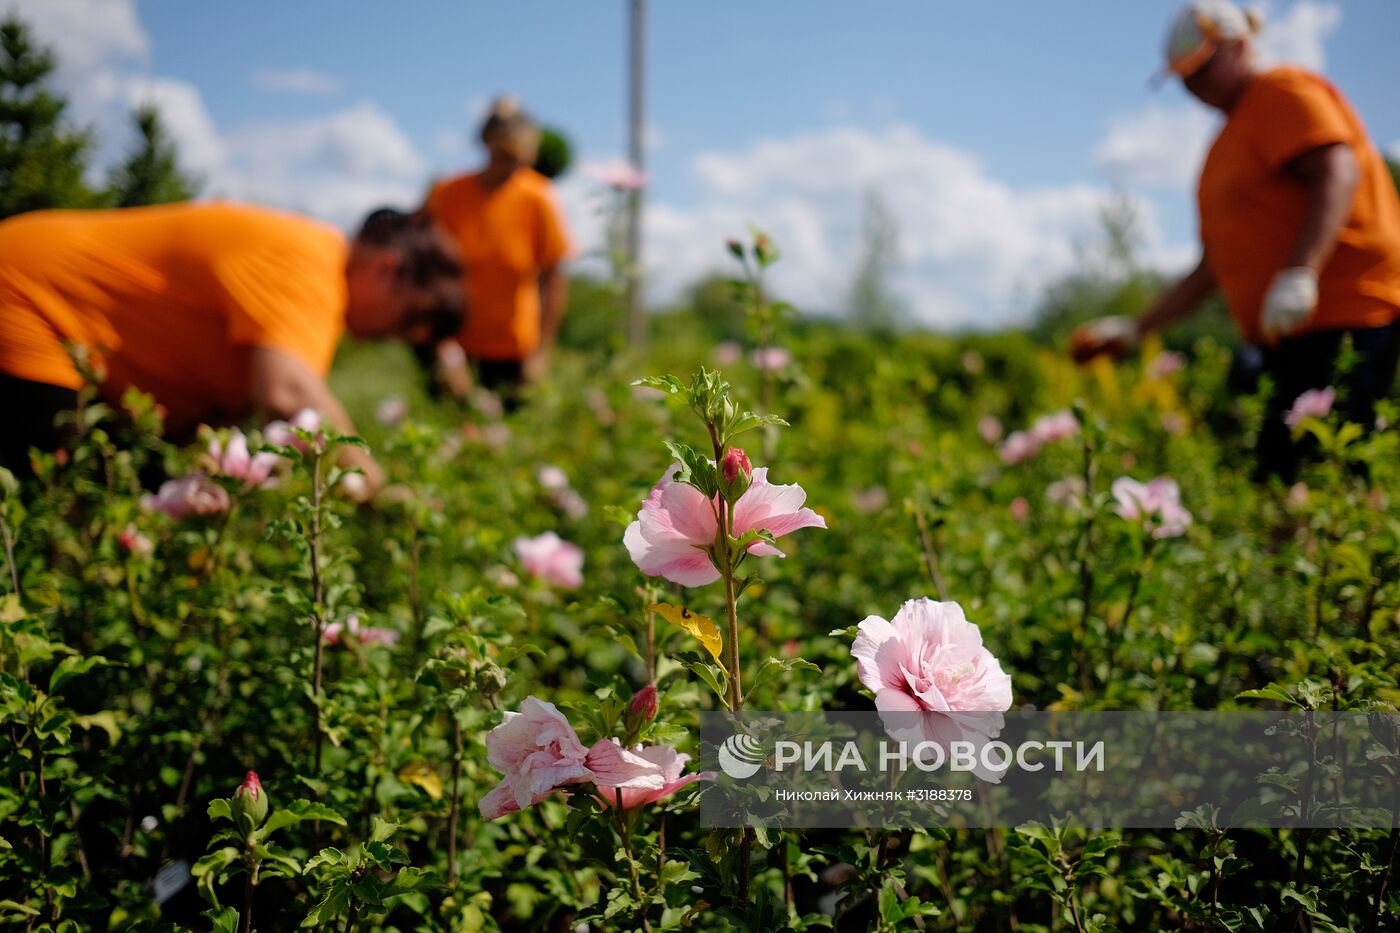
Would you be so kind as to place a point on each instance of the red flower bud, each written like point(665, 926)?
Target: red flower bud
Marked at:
point(250, 802)
point(644, 703)
point(735, 247)
point(735, 463)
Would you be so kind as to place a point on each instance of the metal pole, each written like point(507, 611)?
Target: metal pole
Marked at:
point(636, 150)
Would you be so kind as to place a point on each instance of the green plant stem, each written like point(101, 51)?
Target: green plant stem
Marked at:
point(1120, 631)
point(930, 554)
point(626, 834)
point(317, 614)
point(245, 918)
point(456, 799)
point(9, 550)
point(351, 914)
point(1378, 902)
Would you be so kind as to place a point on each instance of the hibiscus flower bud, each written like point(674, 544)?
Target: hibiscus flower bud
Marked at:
point(644, 703)
point(250, 803)
point(737, 472)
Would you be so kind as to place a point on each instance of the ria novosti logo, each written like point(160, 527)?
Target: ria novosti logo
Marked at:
point(741, 755)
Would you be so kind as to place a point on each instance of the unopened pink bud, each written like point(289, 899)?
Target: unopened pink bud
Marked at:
point(249, 801)
point(644, 703)
point(735, 463)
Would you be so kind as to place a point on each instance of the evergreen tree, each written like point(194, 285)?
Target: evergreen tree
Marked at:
point(151, 174)
point(872, 298)
point(41, 162)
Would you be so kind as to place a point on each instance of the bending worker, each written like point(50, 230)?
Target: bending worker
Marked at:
point(217, 310)
point(1300, 229)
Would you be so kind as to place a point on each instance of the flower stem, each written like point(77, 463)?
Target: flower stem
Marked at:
point(9, 550)
point(318, 617)
point(456, 799)
point(626, 834)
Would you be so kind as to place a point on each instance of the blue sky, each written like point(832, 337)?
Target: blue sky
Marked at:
point(994, 130)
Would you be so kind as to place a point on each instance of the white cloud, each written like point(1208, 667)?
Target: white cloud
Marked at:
point(297, 81)
point(335, 166)
point(182, 111)
point(1299, 35)
point(1393, 150)
point(1158, 146)
point(973, 248)
point(88, 36)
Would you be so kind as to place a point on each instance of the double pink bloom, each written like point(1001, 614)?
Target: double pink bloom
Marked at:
point(1156, 504)
point(550, 558)
point(932, 678)
point(1314, 403)
point(1022, 445)
point(191, 495)
point(538, 752)
point(676, 529)
point(233, 460)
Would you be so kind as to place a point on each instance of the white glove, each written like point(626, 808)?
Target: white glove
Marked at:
point(1289, 302)
point(1114, 334)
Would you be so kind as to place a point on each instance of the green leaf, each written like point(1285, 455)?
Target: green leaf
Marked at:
point(1271, 692)
point(296, 812)
point(223, 920)
point(74, 666)
point(331, 905)
point(208, 871)
point(220, 808)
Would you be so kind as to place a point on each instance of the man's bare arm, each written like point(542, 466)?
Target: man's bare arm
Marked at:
point(283, 385)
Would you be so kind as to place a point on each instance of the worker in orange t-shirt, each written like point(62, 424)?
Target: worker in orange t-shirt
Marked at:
point(217, 310)
point(1300, 228)
point(513, 243)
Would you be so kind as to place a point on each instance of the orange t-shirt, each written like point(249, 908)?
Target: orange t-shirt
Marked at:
point(171, 299)
point(506, 237)
point(1252, 211)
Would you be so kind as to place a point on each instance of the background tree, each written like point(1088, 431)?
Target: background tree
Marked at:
point(151, 174)
point(41, 161)
point(872, 299)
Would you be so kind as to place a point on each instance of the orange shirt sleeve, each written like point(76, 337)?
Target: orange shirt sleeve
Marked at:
point(1299, 114)
point(287, 298)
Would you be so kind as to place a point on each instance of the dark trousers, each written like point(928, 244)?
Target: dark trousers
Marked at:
point(1298, 364)
point(27, 413)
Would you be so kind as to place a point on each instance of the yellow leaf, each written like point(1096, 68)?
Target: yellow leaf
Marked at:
point(425, 777)
point(702, 627)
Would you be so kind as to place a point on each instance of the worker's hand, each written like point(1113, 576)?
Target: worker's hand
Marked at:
point(1114, 335)
point(1289, 302)
point(537, 365)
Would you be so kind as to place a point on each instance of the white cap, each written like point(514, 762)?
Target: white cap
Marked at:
point(1200, 28)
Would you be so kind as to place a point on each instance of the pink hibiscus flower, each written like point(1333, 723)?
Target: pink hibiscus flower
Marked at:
point(280, 433)
point(1314, 403)
point(538, 752)
point(932, 678)
point(770, 358)
point(550, 558)
point(1054, 427)
point(364, 634)
point(233, 460)
point(1018, 446)
point(1156, 504)
point(193, 494)
point(675, 532)
point(671, 764)
point(929, 658)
